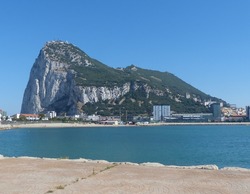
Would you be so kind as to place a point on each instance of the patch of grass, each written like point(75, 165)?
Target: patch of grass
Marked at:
point(108, 167)
point(60, 187)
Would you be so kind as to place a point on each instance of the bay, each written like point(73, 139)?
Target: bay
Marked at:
point(223, 145)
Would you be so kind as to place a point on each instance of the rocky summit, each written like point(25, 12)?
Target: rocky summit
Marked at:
point(66, 80)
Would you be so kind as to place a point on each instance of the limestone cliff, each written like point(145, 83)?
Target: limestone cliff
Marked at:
point(66, 80)
point(52, 86)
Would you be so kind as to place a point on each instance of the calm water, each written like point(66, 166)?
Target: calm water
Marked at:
point(170, 145)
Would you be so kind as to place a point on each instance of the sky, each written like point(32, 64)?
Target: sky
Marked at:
point(205, 43)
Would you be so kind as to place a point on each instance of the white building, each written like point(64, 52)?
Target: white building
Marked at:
point(161, 112)
point(29, 117)
point(93, 118)
point(50, 114)
point(110, 122)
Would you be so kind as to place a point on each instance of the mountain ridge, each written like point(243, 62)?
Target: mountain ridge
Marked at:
point(65, 79)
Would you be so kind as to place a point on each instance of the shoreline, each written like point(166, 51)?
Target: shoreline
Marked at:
point(149, 164)
point(63, 125)
point(44, 175)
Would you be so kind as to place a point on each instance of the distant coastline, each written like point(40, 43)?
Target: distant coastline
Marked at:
point(63, 125)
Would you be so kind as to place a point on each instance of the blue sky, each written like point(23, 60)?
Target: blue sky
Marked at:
point(205, 43)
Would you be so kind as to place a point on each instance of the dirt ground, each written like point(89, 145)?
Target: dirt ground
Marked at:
point(31, 176)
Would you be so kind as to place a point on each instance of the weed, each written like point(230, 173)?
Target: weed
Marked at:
point(60, 187)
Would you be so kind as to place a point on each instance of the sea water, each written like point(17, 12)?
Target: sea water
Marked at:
point(226, 145)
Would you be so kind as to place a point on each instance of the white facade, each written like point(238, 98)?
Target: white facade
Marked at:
point(93, 118)
point(166, 111)
point(157, 113)
point(51, 114)
point(29, 117)
point(110, 122)
point(160, 112)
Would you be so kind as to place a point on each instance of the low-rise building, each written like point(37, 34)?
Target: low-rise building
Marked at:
point(29, 117)
point(109, 122)
point(198, 117)
point(93, 118)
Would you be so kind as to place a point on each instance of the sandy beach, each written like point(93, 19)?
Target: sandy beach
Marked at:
point(49, 125)
point(33, 175)
point(62, 125)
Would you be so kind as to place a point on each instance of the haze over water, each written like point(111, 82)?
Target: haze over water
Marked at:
point(169, 145)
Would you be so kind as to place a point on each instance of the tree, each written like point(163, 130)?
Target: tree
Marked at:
point(41, 116)
point(22, 118)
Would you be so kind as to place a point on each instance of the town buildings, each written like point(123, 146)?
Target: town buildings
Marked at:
point(161, 113)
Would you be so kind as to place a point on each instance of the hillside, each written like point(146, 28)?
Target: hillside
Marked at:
point(65, 79)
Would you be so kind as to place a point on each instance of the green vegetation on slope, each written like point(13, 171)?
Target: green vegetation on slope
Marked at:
point(165, 88)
